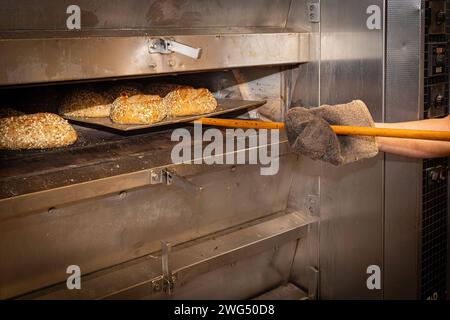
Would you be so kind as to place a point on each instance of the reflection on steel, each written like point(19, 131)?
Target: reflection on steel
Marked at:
point(142, 277)
point(25, 61)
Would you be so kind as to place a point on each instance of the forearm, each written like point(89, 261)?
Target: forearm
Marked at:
point(416, 148)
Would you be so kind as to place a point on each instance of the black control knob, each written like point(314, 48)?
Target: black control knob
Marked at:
point(439, 100)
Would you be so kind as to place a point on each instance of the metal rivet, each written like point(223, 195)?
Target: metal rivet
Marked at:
point(172, 63)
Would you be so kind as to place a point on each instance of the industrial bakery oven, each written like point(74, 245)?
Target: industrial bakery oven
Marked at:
point(114, 206)
point(112, 216)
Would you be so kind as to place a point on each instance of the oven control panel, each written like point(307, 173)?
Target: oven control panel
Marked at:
point(437, 104)
point(435, 202)
point(437, 54)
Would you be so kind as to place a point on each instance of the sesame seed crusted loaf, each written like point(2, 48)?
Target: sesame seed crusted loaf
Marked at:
point(85, 103)
point(138, 109)
point(188, 102)
point(163, 89)
point(8, 112)
point(35, 131)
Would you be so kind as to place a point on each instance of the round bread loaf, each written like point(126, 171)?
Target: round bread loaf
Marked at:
point(163, 89)
point(138, 109)
point(85, 103)
point(188, 102)
point(35, 131)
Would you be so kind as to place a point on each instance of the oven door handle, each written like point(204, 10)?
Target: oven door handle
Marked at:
point(163, 46)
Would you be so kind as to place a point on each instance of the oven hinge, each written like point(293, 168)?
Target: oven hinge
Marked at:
point(167, 177)
point(163, 46)
point(313, 12)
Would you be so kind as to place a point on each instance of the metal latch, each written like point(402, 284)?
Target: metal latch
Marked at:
point(167, 177)
point(163, 46)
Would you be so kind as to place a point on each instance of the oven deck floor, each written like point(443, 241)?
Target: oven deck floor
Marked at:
point(97, 154)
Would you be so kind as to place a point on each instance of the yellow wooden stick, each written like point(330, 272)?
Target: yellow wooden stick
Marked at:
point(340, 130)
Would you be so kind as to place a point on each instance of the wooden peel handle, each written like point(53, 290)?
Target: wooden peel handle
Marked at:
point(340, 130)
point(234, 123)
point(392, 133)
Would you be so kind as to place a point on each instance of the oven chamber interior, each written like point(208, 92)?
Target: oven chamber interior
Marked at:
point(309, 231)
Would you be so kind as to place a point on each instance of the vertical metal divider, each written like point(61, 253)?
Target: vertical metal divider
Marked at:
point(385, 24)
point(421, 116)
point(319, 43)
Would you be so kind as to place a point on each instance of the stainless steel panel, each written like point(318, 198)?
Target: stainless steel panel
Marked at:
point(304, 196)
point(244, 279)
point(351, 229)
point(52, 198)
point(141, 277)
point(97, 233)
point(138, 14)
point(298, 16)
point(403, 176)
point(351, 211)
point(27, 61)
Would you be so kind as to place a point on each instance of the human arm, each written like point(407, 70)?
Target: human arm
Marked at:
point(416, 148)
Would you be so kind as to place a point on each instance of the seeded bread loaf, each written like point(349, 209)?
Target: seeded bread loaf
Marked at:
point(138, 109)
point(85, 103)
point(35, 131)
point(188, 102)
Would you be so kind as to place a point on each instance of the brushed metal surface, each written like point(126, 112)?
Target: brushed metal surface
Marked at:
point(134, 279)
point(224, 106)
point(403, 176)
point(26, 61)
point(351, 212)
point(100, 232)
point(306, 88)
point(244, 279)
point(37, 15)
point(306, 182)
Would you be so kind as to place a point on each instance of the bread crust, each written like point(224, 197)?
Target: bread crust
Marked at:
point(36, 131)
point(85, 103)
point(188, 102)
point(138, 109)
